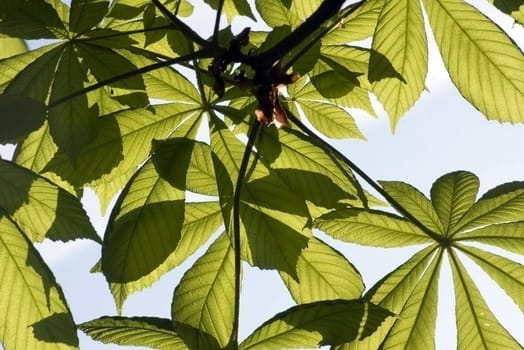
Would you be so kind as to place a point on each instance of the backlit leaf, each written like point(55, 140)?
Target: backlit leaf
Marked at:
point(320, 323)
point(33, 312)
point(514, 8)
point(477, 327)
point(414, 202)
point(155, 333)
point(324, 274)
point(482, 61)
point(204, 298)
point(452, 195)
point(40, 208)
point(400, 37)
point(509, 236)
point(370, 228)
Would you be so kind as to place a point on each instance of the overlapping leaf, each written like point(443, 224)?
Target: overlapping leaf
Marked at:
point(33, 312)
point(320, 323)
point(482, 61)
point(155, 333)
point(40, 208)
point(452, 216)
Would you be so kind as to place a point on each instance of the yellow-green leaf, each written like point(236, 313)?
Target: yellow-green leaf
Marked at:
point(400, 41)
point(33, 312)
point(477, 327)
point(482, 61)
point(323, 274)
point(204, 299)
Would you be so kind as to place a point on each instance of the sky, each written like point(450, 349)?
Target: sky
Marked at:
point(441, 133)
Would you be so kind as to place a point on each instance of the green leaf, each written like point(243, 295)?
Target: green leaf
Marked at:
point(86, 14)
point(33, 312)
point(415, 326)
point(509, 236)
point(482, 61)
point(275, 14)
point(30, 19)
point(357, 26)
point(11, 47)
point(40, 208)
point(414, 202)
point(318, 177)
point(144, 228)
point(324, 274)
point(453, 195)
point(502, 204)
point(20, 116)
point(185, 164)
point(507, 273)
point(369, 227)
point(320, 323)
point(200, 221)
point(514, 8)
point(168, 84)
point(204, 299)
point(156, 333)
point(477, 327)
point(73, 123)
point(233, 8)
point(401, 38)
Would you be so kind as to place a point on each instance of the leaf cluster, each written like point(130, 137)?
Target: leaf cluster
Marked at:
point(130, 101)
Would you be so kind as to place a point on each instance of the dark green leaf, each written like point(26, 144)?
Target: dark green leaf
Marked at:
point(319, 323)
point(155, 333)
point(20, 115)
point(73, 123)
point(144, 228)
point(85, 14)
point(30, 19)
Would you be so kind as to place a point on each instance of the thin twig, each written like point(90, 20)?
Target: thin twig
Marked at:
point(217, 22)
point(366, 178)
point(184, 28)
point(145, 69)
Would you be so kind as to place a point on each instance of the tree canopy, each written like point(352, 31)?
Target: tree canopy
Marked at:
point(219, 142)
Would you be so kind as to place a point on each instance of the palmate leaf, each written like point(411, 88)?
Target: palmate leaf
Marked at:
point(399, 57)
point(20, 116)
point(11, 46)
point(275, 14)
point(323, 274)
point(155, 333)
point(203, 302)
point(40, 208)
point(481, 59)
point(477, 327)
point(509, 236)
point(33, 312)
point(320, 323)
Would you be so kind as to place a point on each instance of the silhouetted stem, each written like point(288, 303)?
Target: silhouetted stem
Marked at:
point(366, 178)
point(252, 135)
point(199, 54)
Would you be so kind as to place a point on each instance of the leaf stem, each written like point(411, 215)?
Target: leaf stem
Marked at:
point(366, 178)
point(145, 69)
point(184, 28)
point(252, 135)
point(217, 22)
